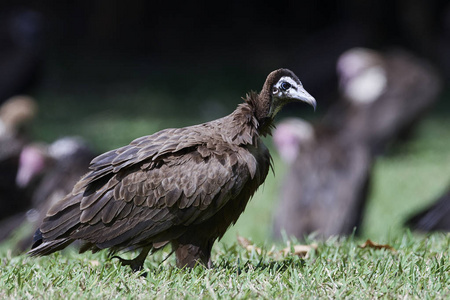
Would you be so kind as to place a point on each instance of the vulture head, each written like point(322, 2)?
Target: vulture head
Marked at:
point(362, 75)
point(37, 158)
point(32, 163)
point(290, 135)
point(15, 113)
point(282, 86)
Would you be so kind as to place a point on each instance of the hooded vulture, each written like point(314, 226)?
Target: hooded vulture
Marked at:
point(182, 186)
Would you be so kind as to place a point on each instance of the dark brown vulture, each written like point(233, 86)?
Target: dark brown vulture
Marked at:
point(326, 188)
point(182, 187)
point(434, 218)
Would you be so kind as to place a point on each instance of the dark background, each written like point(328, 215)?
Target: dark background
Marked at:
point(229, 44)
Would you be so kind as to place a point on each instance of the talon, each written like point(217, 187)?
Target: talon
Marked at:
point(134, 264)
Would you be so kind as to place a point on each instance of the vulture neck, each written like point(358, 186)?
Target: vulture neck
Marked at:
point(259, 105)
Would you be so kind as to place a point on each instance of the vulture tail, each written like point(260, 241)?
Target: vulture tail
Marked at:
point(41, 247)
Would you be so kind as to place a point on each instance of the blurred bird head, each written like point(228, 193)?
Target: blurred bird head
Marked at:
point(15, 113)
point(362, 75)
point(32, 162)
point(36, 158)
point(283, 86)
point(289, 135)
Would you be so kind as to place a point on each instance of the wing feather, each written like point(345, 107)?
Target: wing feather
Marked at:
point(149, 189)
point(88, 213)
point(54, 230)
point(111, 210)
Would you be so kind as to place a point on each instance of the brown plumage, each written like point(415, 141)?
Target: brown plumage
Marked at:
point(182, 186)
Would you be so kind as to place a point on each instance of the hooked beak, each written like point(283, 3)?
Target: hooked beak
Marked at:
point(302, 95)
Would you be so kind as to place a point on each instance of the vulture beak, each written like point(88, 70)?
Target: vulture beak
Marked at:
point(302, 95)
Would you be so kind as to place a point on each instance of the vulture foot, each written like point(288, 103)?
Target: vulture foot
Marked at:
point(136, 264)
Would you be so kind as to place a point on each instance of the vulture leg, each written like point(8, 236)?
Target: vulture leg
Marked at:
point(136, 264)
point(191, 253)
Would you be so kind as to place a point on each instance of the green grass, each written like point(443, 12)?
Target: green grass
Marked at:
point(410, 176)
point(419, 269)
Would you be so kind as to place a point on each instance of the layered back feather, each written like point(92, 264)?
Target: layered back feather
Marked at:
point(159, 182)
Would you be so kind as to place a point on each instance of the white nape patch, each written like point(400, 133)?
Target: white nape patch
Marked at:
point(354, 61)
point(367, 86)
point(64, 147)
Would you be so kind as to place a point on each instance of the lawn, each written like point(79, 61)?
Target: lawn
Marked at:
point(411, 175)
point(339, 268)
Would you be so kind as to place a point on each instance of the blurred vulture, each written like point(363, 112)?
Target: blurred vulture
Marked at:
point(66, 161)
point(21, 35)
point(14, 116)
point(383, 95)
point(326, 188)
point(434, 218)
point(47, 173)
point(182, 186)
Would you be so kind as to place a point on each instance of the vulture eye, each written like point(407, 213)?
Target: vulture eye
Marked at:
point(285, 86)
